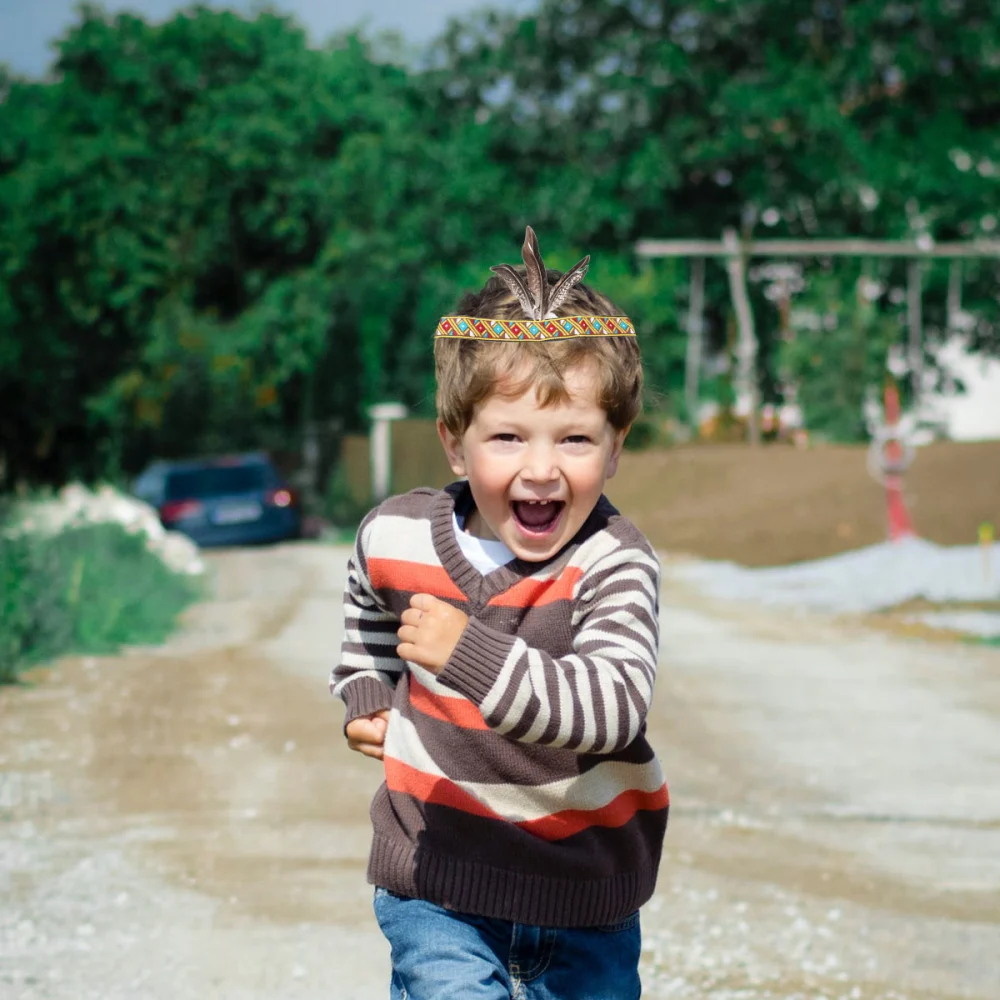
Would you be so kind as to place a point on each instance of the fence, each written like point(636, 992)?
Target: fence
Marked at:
point(417, 459)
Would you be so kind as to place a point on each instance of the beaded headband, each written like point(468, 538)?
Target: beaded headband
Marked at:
point(539, 301)
point(561, 328)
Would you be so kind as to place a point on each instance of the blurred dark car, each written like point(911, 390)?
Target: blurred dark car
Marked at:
point(232, 500)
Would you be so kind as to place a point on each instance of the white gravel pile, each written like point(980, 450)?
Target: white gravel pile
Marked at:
point(75, 505)
point(985, 624)
point(870, 579)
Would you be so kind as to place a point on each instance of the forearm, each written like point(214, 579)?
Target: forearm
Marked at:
point(591, 701)
point(369, 668)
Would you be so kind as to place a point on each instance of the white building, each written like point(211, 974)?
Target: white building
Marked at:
point(975, 414)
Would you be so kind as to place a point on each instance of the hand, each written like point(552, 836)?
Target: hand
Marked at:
point(429, 632)
point(366, 733)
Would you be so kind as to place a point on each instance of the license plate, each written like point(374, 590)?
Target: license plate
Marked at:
point(236, 513)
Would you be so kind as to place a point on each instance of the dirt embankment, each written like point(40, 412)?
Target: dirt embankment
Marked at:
point(778, 505)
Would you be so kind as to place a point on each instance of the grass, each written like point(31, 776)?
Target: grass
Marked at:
point(88, 589)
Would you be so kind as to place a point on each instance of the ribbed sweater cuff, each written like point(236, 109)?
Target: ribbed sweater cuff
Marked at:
point(365, 696)
point(477, 661)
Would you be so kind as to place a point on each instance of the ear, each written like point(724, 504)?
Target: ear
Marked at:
point(452, 448)
point(616, 452)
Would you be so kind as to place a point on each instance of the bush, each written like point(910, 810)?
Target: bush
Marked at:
point(88, 589)
point(643, 434)
point(340, 506)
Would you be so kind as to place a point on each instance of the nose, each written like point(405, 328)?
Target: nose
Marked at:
point(540, 464)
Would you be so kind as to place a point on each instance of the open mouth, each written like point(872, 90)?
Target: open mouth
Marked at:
point(537, 518)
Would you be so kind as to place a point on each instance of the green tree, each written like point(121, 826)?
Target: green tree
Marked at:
point(840, 335)
point(212, 233)
point(198, 218)
point(645, 118)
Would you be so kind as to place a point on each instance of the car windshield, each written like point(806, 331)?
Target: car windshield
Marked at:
point(216, 480)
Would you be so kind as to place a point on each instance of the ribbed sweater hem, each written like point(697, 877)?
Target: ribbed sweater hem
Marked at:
point(475, 888)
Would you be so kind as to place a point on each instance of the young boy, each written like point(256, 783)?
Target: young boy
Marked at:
point(499, 654)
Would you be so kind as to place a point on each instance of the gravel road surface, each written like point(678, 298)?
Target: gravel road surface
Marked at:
point(187, 821)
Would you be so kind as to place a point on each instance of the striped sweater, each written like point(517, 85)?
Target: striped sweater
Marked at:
point(518, 782)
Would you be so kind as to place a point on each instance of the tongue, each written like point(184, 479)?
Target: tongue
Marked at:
point(535, 515)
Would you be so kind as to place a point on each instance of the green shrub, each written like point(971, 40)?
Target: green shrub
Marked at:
point(88, 589)
point(340, 506)
point(642, 435)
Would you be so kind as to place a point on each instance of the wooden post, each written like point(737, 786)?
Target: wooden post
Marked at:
point(899, 521)
point(954, 294)
point(380, 446)
point(915, 322)
point(696, 328)
point(310, 445)
point(746, 351)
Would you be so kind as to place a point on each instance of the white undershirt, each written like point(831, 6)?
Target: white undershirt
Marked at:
point(486, 554)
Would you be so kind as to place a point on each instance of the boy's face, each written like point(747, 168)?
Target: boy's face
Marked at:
point(536, 472)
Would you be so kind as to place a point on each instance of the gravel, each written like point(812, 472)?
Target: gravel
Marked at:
point(187, 821)
point(864, 580)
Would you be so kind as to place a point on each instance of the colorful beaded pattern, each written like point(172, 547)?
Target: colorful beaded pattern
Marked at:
point(560, 328)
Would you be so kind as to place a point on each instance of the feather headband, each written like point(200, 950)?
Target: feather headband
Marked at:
point(539, 301)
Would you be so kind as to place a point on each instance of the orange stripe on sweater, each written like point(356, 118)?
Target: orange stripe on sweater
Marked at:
point(429, 788)
point(398, 574)
point(535, 593)
point(616, 813)
point(434, 790)
point(458, 711)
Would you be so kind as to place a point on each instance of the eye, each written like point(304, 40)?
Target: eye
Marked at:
point(577, 439)
point(504, 438)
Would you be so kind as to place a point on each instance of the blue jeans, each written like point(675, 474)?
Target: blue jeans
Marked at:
point(438, 954)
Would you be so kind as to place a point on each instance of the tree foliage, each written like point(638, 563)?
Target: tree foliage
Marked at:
point(836, 352)
point(212, 233)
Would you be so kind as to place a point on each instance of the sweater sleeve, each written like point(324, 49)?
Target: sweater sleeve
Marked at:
point(593, 700)
point(369, 668)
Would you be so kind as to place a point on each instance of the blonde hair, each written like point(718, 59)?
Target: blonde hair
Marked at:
point(470, 371)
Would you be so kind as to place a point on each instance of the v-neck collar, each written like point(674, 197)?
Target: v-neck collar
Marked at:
point(478, 587)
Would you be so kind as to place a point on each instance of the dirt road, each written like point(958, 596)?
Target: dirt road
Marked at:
point(187, 822)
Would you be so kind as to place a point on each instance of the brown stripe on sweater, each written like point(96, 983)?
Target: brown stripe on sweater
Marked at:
point(554, 690)
point(574, 883)
point(528, 717)
point(439, 830)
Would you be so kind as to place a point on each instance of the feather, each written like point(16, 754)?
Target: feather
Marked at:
point(567, 283)
point(516, 284)
point(534, 268)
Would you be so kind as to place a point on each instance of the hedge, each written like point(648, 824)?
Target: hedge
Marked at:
point(88, 589)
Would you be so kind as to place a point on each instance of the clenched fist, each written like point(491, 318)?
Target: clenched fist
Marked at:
point(366, 734)
point(429, 632)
